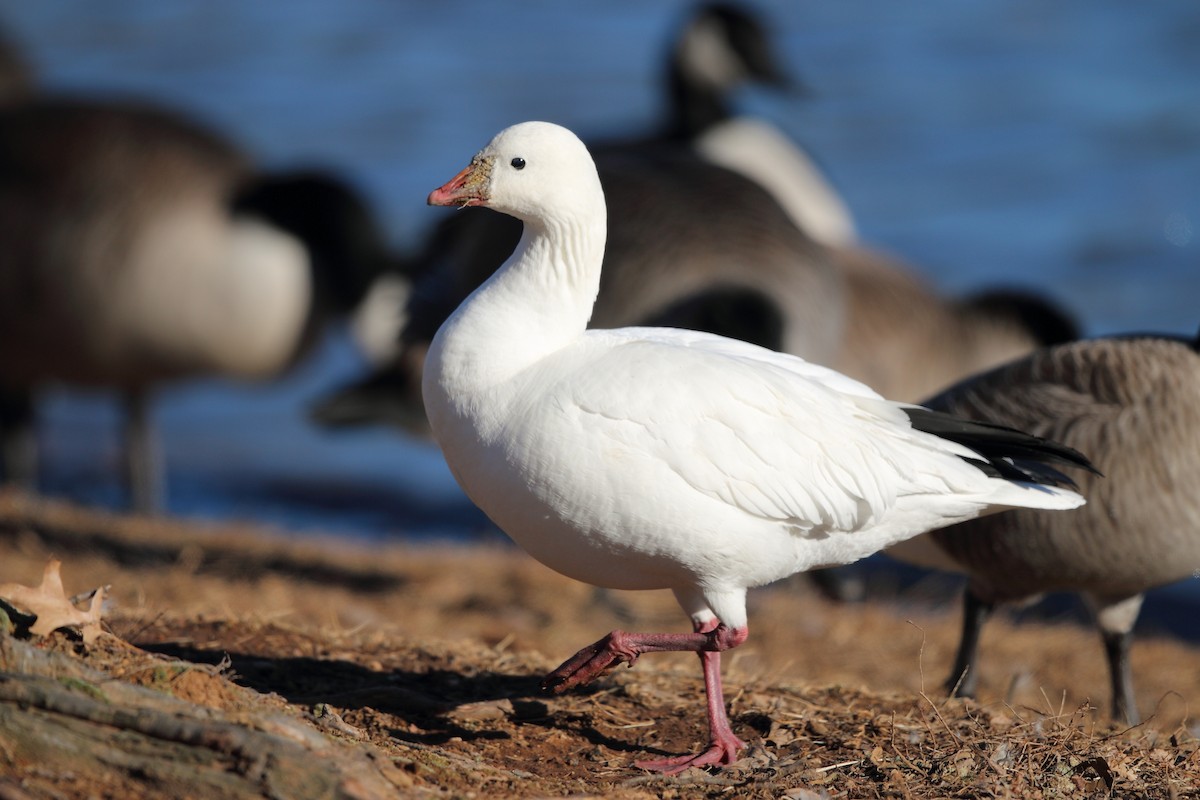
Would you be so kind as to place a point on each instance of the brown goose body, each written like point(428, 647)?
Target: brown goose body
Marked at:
point(1130, 405)
point(907, 341)
point(140, 247)
point(88, 193)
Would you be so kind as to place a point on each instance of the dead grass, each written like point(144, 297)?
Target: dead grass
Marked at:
point(425, 661)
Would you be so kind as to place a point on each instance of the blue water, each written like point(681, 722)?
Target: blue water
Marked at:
point(1055, 146)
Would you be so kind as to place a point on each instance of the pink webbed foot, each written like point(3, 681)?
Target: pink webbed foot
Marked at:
point(720, 752)
point(708, 640)
point(591, 662)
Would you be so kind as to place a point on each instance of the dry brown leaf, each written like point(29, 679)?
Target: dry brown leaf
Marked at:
point(50, 604)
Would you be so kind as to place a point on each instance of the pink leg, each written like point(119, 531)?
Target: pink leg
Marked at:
point(707, 641)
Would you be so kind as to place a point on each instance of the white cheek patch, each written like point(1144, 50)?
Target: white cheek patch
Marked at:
point(706, 57)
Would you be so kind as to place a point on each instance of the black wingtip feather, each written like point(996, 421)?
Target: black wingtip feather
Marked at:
point(1023, 470)
point(1004, 452)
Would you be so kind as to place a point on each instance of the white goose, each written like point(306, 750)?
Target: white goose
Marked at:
point(653, 458)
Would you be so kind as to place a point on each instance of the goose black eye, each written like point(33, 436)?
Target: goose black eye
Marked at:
point(518, 163)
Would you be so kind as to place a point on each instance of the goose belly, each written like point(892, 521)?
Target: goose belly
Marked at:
point(192, 294)
point(621, 520)
point(236, 306)
point(560, 523)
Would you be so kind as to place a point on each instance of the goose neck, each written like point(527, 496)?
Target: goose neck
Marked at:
point(539, 301)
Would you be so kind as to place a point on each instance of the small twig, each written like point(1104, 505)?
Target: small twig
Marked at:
point(1183, 724)
point(925, 697)
point(941, 719)
point(137, 634)
point(958, 683)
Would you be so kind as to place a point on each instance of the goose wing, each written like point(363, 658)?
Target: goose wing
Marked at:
point(775, 436)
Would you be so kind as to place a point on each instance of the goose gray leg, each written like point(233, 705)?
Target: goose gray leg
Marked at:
point(1115, 618)
point(143, 462)
point(1116, 650)
point(18, 439)
point(964, 677)
point(840, 584)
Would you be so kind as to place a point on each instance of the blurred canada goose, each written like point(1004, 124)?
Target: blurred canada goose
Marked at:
point(141, 248)
point(901, 337)
point(719, 48)
point(1131, 405)
point(906, 340)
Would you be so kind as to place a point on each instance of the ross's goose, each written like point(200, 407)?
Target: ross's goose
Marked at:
point(1130, 403)
point(690, 245)
point(656, 458)
point(140, 248)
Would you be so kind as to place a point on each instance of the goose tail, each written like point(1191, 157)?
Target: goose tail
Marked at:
point(1027, 467)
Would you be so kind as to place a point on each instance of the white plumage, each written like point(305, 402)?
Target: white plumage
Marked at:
point(650, 458)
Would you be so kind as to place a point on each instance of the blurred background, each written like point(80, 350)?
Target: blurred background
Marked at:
point(1054, 147)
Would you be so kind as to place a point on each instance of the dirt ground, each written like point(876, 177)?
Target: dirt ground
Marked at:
point(241, 663)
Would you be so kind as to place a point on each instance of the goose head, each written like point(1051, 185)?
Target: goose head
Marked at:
point(720, 48)
point(345, 243)
point(534, 171)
